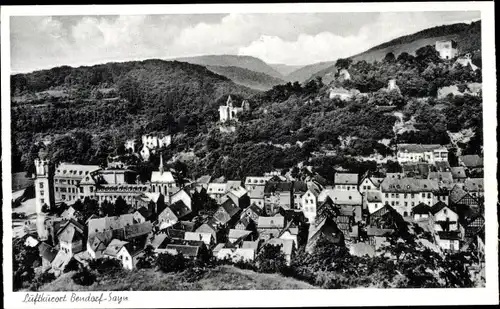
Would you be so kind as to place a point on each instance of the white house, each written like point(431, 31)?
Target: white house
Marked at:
point(414, 153)
point(309, 203)
point(445, 218)
point(117, 250)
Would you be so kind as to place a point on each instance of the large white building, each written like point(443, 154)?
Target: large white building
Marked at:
point(405, 193)
point(414, 153)
point(447, 49)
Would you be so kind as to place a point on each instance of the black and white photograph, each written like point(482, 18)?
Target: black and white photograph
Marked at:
point(209, 149)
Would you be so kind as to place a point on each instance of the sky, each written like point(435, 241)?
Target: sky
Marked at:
point(41, 42)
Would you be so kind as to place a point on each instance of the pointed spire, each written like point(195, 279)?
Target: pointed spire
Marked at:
point(161, 164)
point(229, 101)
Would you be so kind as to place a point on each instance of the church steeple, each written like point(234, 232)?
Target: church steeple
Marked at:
point(161, 164)
point(229, 101)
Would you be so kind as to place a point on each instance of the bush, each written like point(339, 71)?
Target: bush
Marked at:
point(41, 279)
point(271, 260)
point(84, 277)
point(73, 265)
point(167, 262)
point(106, 265)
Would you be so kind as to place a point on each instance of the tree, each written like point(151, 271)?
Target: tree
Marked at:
point(389, 57)
point(167, 262)
point(24, 261)
point(271, 259)
point(343, 63)
point(121, 206)
point(147, 260)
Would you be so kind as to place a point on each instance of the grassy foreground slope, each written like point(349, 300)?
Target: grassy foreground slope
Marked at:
point(219, 278)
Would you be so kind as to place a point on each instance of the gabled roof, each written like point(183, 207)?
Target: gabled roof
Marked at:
point(136, 230)
point(180, 209)
point(237, 234)
point(205, 179)
point(186, 250)
point(174, 233)
point(205, 237)
point(136, 247)
point(421, 209)
point(457, 193)
point(114, 247)
point(408, 185)
point(439, 206)
point(270, 222)
point(257, 192)
point(341, 197)
point(441, 176)
point(458, 172)
point(299, 187)
point(256, 180)
point(158, 240)
point(165, 177)
point(226, 211)
point(250, 245)
point(419, 148)
point(326, 228)
point(69, 235)
point(272, 187)
point(373, 196)
point(47, 252)
point(109, 223)
point(474, 184)
point(187, 226)
point(217, 188)
point(471, 161)
point(346, 179)
point(74, 170)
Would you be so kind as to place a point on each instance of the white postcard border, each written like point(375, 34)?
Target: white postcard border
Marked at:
point(286, 298)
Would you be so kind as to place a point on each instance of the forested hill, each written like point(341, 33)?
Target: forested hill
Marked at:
point(115, 101)
point(468, 37)
point(255, 80)
point(245, 62)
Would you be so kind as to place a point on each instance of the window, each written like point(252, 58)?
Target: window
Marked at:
point(412, 203)
point(42, 201)
point(41, 185)
point(397, 203)
point(387, 195)
point(392, 203)
point(81, 189)
point(405, 196)
point(412, 195)
point(392, 194)
point(428, 195)
point(57, 189)
point(445, 211)
point(423, 195)
point(63, 197)
point(41, 192)
point(406, 203)
point(397, 195)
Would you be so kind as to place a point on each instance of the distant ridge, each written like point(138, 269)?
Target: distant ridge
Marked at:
point(251, 79)
point(245, 62)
